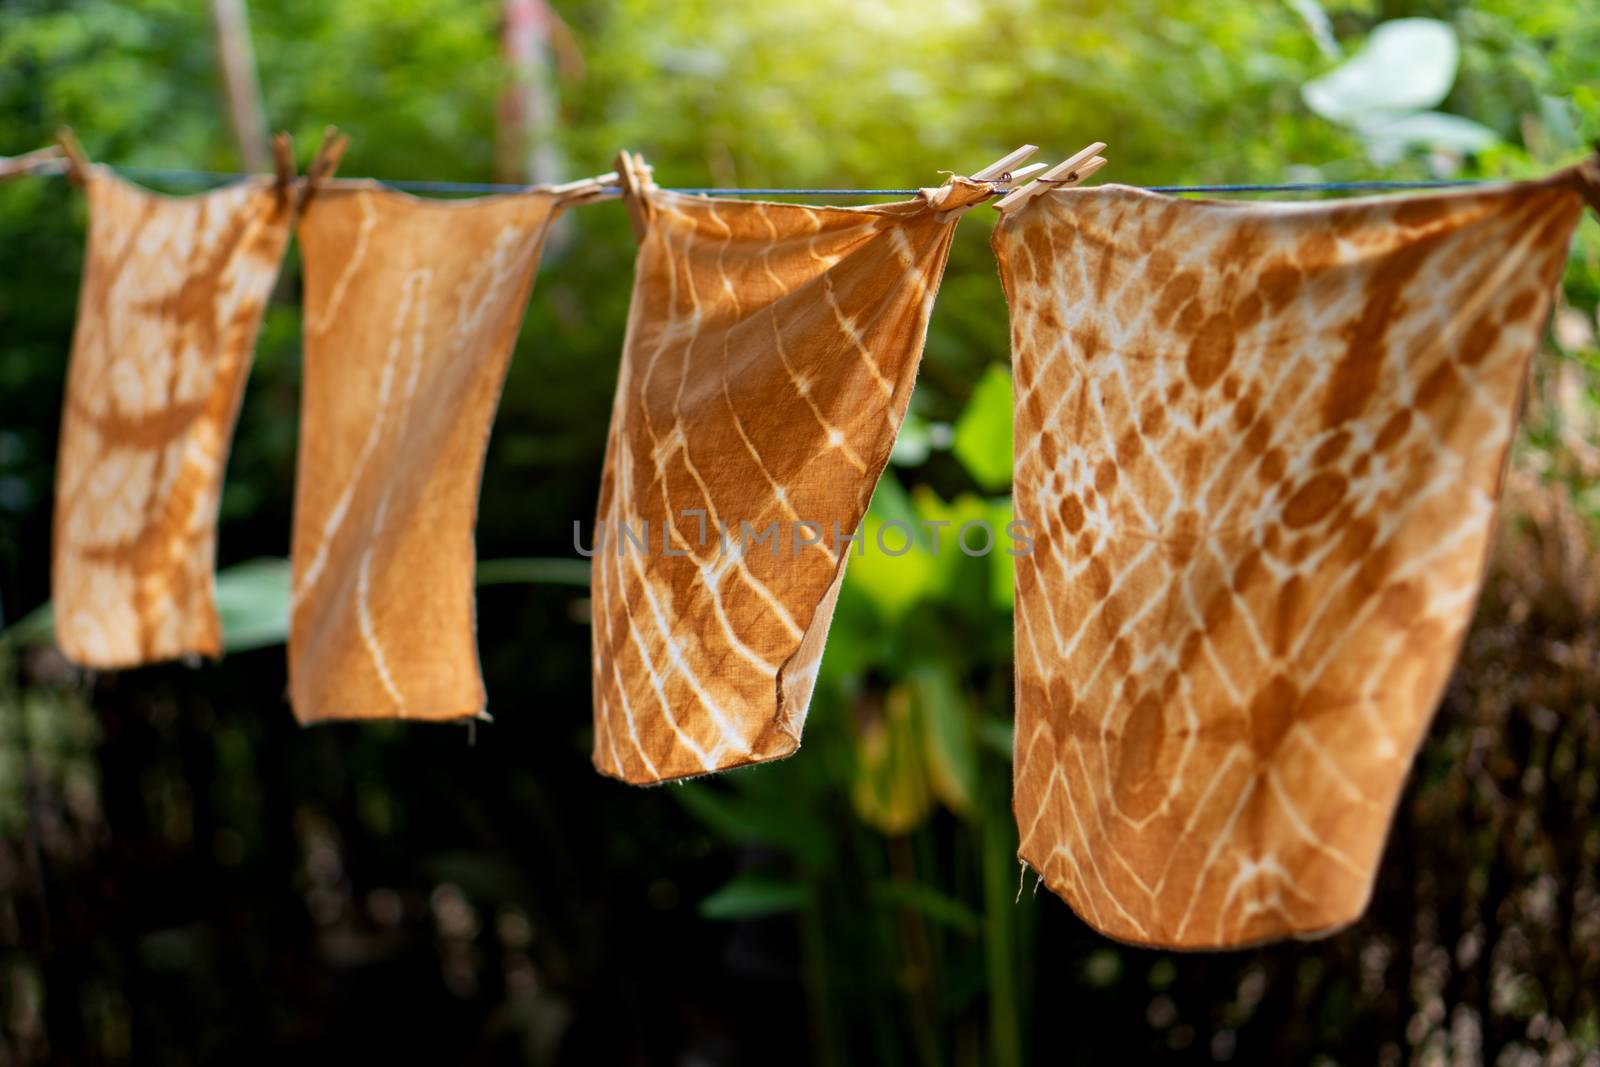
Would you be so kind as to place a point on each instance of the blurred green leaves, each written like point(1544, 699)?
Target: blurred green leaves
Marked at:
point(918, 547)
point(753, 896)
point(252, 602)
point(744, 818)
point(896, 567)
point(930, 902)
point(983, 432)
point(949, 741)
point(890, 791)
point(916, 747)
point(574, 572)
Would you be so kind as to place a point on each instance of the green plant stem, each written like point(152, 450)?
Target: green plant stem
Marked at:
point(919, 988)
point(534, 571)
point(999, 867)
point(825, 1047)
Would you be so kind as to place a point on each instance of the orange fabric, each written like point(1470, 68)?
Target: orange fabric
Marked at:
point(1260, 447)
point(173, 292)
point(411, 311)
point(771, 352)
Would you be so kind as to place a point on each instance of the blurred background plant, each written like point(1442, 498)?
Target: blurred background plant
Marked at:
point(185, 876)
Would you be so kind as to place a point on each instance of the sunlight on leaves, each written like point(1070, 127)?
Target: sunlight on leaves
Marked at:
point(949, 744)
point(983, 432)
point(893, 582)
point(890, 791)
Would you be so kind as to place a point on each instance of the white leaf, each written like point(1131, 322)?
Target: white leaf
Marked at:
point(253, 604)
point(1406, 65)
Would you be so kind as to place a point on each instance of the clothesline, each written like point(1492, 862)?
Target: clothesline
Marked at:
point(211, 177)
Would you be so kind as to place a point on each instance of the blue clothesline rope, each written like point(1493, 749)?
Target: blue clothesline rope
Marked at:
point(211, 177)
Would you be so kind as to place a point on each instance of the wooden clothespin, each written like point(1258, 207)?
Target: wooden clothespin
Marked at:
point(1070, 171)
point(1022, 173)
point(586, 189)
point(77, 160)
point(28, 162)
point(283, 167)
point(1001, 172)
point(633, 174)
point(326, 161)
point(998, 176)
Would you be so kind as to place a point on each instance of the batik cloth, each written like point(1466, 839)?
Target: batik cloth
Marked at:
point(1259, 447)
point(172, 298)
point(770, 354)
point(412, 308)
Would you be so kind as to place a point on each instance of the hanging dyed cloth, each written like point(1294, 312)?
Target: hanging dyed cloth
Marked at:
point(1260, 448)
point(411, 310)
point(173, 292)
point(771, 352)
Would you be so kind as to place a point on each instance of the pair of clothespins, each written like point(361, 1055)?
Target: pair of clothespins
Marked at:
point(998, 176)
point(77, 160)
point(326, 161)
point(28, 162)
point(1070, 171)
point(333, 146)
point(633, 174)
point(585, 189)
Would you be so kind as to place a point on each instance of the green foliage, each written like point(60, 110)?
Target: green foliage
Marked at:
point(573, 572)
point(930, 903)
point(754, 896)
point(983, 432)
point(252, 602)
point(747, 819)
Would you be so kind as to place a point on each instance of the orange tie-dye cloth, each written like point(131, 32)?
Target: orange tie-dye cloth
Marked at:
point(1260, 447)
point(770, 354)
point(412, 308)
point(173, 293)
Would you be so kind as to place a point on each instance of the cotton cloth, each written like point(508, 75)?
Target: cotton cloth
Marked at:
point(412, 308)
point(1260, 448)
point(172, 298)
point(770, 355)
